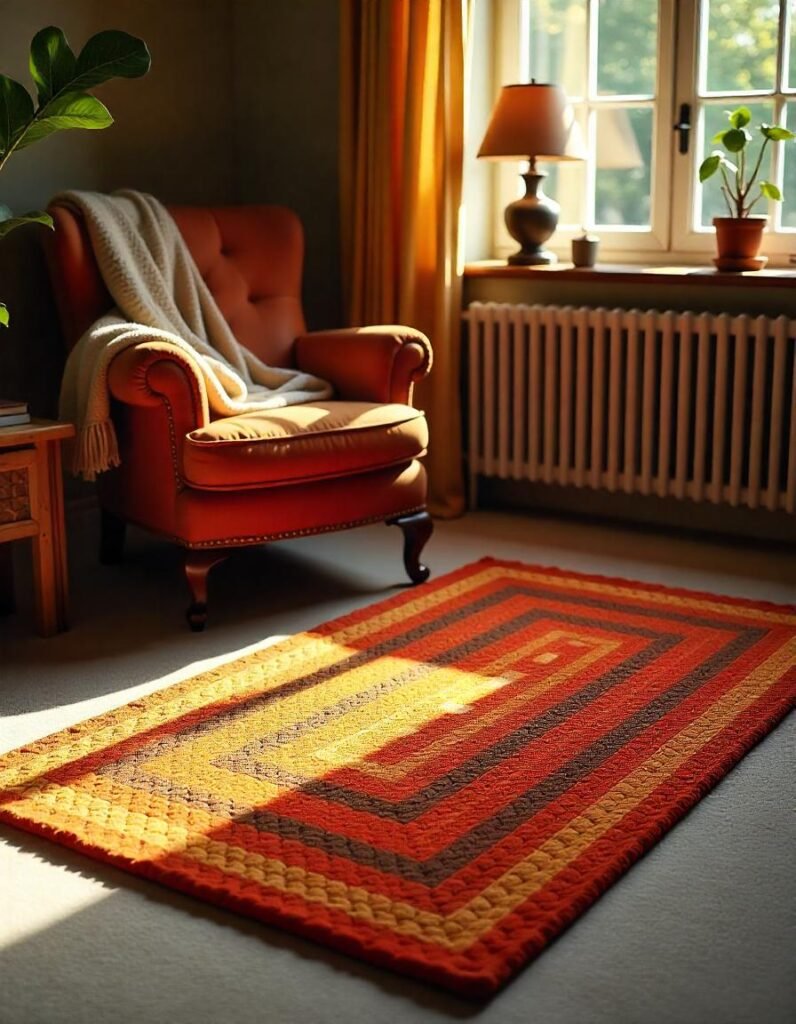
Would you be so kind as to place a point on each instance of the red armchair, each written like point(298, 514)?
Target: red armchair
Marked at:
point(212, 485)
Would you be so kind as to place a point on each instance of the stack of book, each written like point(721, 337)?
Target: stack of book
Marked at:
point(13, 413)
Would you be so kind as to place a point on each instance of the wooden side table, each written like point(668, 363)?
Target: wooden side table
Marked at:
point(32, 505)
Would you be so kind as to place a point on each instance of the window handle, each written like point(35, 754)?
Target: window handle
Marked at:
point(683, 126)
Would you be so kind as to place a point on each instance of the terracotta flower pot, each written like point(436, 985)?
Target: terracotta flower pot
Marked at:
point(738, 240)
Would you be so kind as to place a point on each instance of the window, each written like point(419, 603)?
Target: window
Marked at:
point(628, 66)
point(736, 52)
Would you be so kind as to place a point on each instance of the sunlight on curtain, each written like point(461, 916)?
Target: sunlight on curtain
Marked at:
point(402, 128)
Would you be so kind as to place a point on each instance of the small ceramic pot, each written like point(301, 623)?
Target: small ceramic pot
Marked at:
point(584, 250)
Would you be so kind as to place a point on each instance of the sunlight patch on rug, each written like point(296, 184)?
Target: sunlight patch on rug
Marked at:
point(439, 783)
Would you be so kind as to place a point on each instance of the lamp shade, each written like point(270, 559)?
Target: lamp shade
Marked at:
point(532, 120)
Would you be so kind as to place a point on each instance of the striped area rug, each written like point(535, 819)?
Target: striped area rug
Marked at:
point(439, 783)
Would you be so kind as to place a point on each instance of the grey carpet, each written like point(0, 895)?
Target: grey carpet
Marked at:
point(701, 931)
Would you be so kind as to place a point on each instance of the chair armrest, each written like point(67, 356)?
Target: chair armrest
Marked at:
point(367, 364)
point(154, 373)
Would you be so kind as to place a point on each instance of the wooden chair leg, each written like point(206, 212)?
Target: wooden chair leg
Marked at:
point(49, 545)
point(417, 528)
point(197, 568)
point(7, 601)
point(112, 533)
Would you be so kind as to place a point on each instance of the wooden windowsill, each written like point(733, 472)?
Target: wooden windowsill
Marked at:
point(627, 273)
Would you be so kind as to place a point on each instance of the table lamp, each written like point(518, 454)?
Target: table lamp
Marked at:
point(532, 121)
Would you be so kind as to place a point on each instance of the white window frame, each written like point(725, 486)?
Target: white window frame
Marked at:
point(689, 239)
point(671, 237)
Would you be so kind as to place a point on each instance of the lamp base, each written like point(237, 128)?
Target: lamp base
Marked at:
point(531, 220)
point(543, 257)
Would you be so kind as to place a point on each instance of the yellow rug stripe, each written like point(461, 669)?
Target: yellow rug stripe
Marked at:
point(273, 666)
point(151, 836)
point(452, 738)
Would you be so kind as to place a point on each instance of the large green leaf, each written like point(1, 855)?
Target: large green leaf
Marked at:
point(16, 109)
point(8, 224)
point(52, 63)
point(776, 133)
point(62, 81)
point(110, 54)
point(709, 166)
point(4, 317)
point(740, 117)
point(771, 191)
point(71, 110)
point(735, 139)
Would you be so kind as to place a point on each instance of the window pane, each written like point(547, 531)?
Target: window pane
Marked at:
point(627, 39)
point(789, 177)
point(790, 75)
point(715, 120)
point(742, 45)
point(566, 183)
point(557, 51)
point(623, 157)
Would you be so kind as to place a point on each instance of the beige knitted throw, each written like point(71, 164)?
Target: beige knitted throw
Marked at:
point(160, 298)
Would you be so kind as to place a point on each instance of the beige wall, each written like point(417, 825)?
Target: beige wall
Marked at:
point(174, 129)
point(753, 300)
point(173, 136)
point(240, 106)
point(286, 75)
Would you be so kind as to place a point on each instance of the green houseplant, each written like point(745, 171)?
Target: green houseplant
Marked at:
point(63, 101)
point(739, 236)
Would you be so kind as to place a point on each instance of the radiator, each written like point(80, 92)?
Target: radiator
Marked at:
point(692, 406)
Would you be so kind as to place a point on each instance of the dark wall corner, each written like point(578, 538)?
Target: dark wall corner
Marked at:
point(31, 349)
point(241, 105)
point(287, 117)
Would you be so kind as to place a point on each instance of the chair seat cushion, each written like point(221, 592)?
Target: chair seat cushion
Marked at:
point(315, 441)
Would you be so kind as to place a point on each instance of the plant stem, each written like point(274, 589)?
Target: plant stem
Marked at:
point(726, 195)
point(754, 201)
point(753, 177)
point(727, 188)
point(20, 136)
point(36, 115)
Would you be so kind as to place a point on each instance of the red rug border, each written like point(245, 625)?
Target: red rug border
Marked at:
point(485, 983)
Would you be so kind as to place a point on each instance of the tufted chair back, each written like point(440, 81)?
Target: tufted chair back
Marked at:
point(249, 256)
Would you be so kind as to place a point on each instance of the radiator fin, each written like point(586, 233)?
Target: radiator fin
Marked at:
point(695, 406)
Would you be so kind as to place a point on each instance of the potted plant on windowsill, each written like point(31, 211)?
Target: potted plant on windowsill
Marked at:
point(62, 82)
point(739, 236)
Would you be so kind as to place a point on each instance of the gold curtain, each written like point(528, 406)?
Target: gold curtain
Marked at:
point(401, 154)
